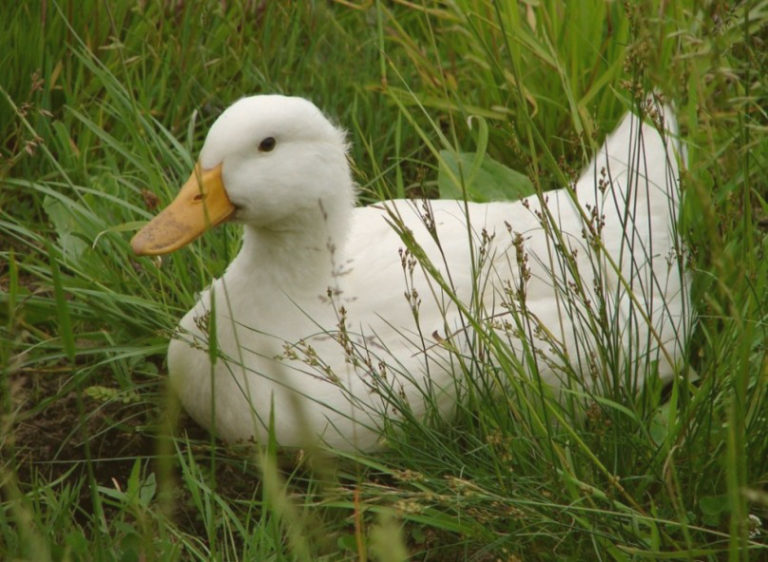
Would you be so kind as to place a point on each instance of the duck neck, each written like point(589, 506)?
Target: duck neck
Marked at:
point(300, 254)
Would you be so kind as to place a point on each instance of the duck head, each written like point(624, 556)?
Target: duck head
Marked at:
point(272, 162)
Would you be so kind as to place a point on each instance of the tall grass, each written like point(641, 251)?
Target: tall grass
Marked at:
point(102, 109)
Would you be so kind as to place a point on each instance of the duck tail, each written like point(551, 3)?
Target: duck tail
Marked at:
point(643, 157)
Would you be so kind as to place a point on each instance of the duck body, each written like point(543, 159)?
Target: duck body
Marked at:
point(327, 325)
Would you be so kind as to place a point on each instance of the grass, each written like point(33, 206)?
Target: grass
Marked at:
point(104, 104)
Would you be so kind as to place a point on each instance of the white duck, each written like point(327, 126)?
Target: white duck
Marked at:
point(317, 341)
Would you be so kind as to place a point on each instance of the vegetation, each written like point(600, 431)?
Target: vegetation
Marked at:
point(103, 107)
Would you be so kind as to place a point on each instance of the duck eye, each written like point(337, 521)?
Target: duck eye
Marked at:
point(267, 144)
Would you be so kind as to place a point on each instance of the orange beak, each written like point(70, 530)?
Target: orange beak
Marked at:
point(202, 203)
